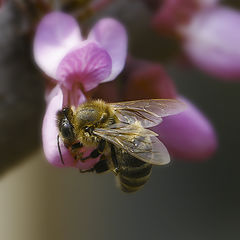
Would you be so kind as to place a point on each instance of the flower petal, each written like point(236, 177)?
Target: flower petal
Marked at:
point(188, 135)
point(50, 133)
point(88, 65)
point(111, 35)
point(56, 34)
point(212, 42)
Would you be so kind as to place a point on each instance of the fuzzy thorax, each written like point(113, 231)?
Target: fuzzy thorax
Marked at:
point(91, 115)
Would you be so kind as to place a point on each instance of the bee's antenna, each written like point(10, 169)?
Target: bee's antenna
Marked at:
point(59, 149)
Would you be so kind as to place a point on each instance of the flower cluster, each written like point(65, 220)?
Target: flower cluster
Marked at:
point(208, 33)
point(76, 65)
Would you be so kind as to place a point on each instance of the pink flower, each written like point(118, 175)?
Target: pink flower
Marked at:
point(188, 135)
point(62, 53)
point(208, 32)
point(212, 42)
point(76, 65)
point(173, 13)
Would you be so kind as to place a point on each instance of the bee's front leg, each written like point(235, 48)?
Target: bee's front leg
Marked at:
point(100, 167)
point(76, 145)
point(75, 151)
point(96, 152)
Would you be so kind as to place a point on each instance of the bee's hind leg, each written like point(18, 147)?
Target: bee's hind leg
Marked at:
point(114, 160)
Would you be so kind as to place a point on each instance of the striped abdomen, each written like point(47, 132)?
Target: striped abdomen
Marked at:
point(133, 173)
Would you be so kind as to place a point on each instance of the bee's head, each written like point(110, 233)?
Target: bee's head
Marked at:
point(65, 126)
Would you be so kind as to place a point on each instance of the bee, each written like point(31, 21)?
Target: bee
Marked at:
point(119, 136)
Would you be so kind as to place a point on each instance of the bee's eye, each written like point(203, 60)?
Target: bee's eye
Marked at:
point(67, 131)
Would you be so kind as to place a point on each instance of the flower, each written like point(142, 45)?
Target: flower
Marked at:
point(171, 14)
point(212, 42)
point(75, 65)
point(61, 52)
point(188, 135)
point(207, 31)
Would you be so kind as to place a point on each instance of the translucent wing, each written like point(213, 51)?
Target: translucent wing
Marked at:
point(149, 112)
point(137, 141)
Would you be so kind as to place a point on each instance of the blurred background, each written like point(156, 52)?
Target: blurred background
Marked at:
point(184, 200)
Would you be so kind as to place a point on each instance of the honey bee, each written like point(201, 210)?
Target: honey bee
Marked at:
point(117, 132)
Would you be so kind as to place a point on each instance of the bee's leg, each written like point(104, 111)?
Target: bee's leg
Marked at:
point(74, 149)
point(114, 160)
point(76, 145)
point(100, 167)
point(96, 152)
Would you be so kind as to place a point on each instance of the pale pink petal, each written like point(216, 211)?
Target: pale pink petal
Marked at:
point(88, 65)
point(111, 35)
point(56, 34)
point(188, 135)
point(50, 133)
point(212, 42)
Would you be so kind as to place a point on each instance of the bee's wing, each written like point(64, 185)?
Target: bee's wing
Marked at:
point(149, 112)
point(138, 142)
